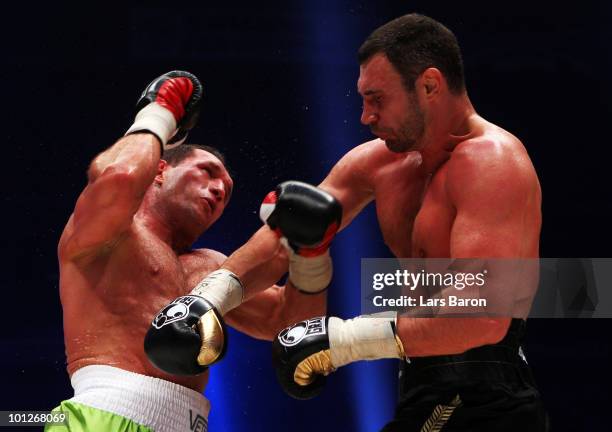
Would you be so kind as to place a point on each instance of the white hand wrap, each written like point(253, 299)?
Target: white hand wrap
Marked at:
point(310, 274)
point(156, 119)
point(222, 289)
point(367, 337)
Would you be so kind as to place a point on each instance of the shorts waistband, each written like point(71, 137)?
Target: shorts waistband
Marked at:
point(508, 351)
point(484, 354)
point(467, 370)
point(152, 402)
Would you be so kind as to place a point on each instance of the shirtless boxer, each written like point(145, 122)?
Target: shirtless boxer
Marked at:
point(447, 183)
point(125, 252)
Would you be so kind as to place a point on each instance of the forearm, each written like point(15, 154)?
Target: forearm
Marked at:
point(267, 313)
point(443, 336)
point(265, 257)
point(259, 263)
point(136, 154)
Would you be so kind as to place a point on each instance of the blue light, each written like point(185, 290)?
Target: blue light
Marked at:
point(331, 55)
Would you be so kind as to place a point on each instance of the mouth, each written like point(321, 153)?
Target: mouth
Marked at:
point(210, 203)
point(380, 134)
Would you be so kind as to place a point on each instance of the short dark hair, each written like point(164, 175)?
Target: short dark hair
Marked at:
point(176, 155)
point(413, 43)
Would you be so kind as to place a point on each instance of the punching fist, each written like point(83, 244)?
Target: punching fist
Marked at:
point(307, 218)
point(304, 353)
point(188, 334)
point(301, 357)
point(174, 343)
point(169, 107)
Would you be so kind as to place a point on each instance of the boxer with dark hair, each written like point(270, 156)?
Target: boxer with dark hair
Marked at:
point(447, 184)
point(126, 252)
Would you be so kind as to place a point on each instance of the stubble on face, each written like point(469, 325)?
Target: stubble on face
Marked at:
point(408, 136)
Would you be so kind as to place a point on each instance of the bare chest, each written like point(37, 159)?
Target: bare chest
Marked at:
point(433, 223)
point(109, 302)
point(398, 194)
point(414, 213)
point(144, 267)
point(147, 267)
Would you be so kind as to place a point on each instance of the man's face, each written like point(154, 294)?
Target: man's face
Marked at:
point(392, 113)
point(196, 191)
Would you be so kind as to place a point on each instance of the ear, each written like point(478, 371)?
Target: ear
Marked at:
point(161, 167)
point(431, 82)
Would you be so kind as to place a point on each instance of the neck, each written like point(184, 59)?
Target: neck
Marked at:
point(451, 122)
point(152, 216)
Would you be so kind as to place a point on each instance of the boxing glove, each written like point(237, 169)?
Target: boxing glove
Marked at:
point(307, 218)
point(169, 107)
point(188, 335)
point(304, 353)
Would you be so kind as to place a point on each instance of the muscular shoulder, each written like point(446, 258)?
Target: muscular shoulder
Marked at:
point(362, 157)
point(351, 177)
point(362, 164)
point(204, 256)
point(496, 162)
point(369, 155)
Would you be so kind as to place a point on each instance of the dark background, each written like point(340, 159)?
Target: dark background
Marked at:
point(280, 101)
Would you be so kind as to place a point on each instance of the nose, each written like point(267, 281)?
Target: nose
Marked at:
point(217, 188)
point(368, 116)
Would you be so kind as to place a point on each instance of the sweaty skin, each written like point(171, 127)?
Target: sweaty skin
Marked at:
point(447, 184)
point(125, 253)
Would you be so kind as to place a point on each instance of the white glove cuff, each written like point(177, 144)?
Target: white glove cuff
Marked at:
point(156, 119)
point(310, 274)
point(367, 337)
point(222, 289)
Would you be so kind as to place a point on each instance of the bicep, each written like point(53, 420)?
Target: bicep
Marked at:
point(482, 231)
point(118, 180)
point(494, 207)
point(500, 226)
point(103, 211)
point(498, 216)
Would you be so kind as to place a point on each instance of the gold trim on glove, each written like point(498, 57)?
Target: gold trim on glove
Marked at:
point(317, 364)
point(211, 332)
point(400, 347)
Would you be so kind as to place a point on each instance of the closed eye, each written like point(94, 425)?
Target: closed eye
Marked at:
point(206, 169)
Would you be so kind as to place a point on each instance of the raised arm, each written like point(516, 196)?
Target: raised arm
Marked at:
point(119, 177)
point(117, 181)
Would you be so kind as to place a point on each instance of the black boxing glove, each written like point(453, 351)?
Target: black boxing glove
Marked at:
point(307, 218)
point(304, 353)
point(188, 335)
point(295, 350)
point(169, 107)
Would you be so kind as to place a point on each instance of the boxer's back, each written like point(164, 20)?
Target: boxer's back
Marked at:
point(99, 294)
